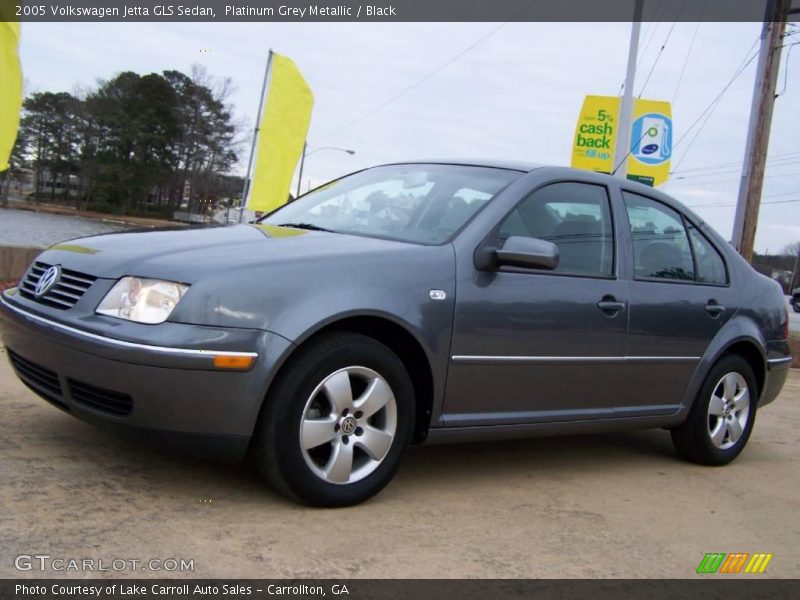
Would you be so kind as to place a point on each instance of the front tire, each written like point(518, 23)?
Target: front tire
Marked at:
point(337, 422)
point(722, 416)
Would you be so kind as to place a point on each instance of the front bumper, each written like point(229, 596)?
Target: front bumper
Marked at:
point(172, 395)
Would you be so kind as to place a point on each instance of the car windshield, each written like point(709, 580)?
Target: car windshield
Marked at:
point(411, 203)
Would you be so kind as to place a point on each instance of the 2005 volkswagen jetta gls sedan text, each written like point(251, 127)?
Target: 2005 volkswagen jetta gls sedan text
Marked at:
point(436, 301)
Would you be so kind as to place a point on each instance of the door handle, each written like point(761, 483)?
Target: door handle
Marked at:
point(714, 309)
point(610, 304)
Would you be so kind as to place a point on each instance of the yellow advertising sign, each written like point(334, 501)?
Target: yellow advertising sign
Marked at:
point(282, 134)
point(651, 138)
point(651, 142)
point(596, 134)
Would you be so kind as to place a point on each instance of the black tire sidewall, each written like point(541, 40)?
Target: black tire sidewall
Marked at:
point(288, 404)
point(709, 453)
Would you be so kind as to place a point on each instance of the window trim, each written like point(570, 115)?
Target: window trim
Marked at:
point(493, 237)
point(684, 220)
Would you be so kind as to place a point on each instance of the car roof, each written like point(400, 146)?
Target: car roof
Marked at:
point(527, 167)
point(522, 166)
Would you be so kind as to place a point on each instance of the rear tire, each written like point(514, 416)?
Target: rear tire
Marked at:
point(722, 416)
point(337, 422)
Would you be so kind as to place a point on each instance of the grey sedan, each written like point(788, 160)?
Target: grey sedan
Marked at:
point(435, 301)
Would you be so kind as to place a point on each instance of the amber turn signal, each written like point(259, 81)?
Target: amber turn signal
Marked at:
point(233, 362)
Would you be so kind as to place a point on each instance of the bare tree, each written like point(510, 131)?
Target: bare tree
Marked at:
point(792, 249)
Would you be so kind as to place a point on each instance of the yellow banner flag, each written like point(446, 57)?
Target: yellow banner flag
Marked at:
point(10, 89)
point(282, 135)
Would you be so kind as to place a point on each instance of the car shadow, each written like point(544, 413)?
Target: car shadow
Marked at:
point(155, 468)
point(543, 455)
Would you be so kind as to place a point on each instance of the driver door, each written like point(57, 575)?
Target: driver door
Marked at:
point(535, 345)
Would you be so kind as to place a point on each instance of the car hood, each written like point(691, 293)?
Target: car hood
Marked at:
point(188, 254)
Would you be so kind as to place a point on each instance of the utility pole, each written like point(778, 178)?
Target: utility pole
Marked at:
point(755, 151)
point(626, 108)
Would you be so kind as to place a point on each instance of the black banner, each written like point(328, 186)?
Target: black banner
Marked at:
point(414, 589)
point(380, 10)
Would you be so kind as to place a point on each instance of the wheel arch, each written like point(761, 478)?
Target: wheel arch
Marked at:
point(750, 351)
point(399, 338)
point(740, 337)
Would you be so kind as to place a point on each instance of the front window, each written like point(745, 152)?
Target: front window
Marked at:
point(411, 203)
point(576, 217)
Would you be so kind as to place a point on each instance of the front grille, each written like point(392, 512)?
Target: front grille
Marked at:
point(71, 286)
point(100, 399)
point(43, 381)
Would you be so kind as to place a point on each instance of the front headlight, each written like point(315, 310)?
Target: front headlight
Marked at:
point(148, 301)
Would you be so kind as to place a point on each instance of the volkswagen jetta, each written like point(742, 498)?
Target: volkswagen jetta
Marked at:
point(432, 301)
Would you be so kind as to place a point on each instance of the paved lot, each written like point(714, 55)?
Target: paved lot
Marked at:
point(617, 505)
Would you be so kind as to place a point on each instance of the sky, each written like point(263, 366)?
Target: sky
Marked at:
point(471, 90)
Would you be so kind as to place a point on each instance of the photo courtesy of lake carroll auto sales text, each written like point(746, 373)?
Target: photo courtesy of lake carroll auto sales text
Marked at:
point(417, 299)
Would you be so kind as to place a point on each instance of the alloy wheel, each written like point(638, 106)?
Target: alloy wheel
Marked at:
point(728, 410)
point(348, 425)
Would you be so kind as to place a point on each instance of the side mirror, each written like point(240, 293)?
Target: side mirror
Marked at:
point(527, 252)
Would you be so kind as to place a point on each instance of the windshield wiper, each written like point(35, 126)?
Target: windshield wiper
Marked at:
point(309, 226)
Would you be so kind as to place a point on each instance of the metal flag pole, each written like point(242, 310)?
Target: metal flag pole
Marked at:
point(246, 186)
point(300, 175)
point(626, 106)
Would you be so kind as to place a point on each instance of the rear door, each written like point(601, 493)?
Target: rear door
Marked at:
point(680, 297)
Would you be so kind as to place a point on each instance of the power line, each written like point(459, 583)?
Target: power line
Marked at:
point(775, 157)
point(658, 56)
point(782, 194)
point(720, 204)
point(786, 68)
point(688, 54)
point(428, 76)
point(663, 46)
point(730, 180)
point(709, 110)
point(740, 69)
point(652, 28)
point(734, 169)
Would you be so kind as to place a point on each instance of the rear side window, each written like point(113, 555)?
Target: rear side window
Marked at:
point(666, 246)
point(576, 218)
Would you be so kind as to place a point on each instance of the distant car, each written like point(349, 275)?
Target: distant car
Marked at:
point(795, 300)
point(434, 301)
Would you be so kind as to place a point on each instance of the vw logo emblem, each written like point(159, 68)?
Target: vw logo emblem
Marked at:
point(348, 425)
point(48, 279)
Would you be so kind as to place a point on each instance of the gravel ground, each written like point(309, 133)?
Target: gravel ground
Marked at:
point(618, 505)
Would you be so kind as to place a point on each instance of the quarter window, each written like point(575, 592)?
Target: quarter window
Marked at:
point(574, 216)
point(710, 266)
